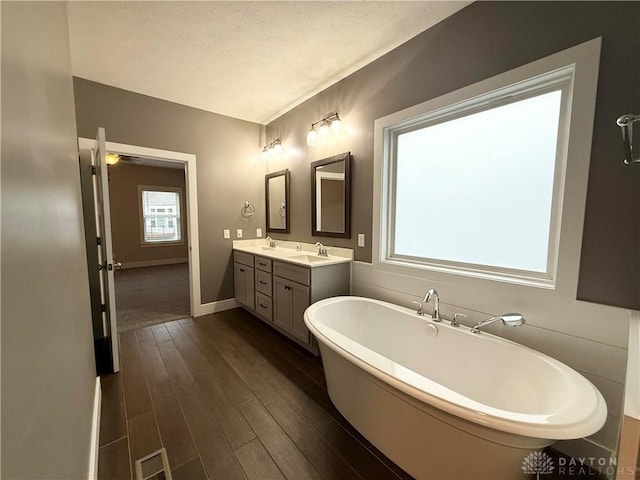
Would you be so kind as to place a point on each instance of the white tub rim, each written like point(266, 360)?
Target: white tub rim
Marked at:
point(565, 425)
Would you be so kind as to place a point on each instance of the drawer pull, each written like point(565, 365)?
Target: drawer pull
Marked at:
point(242, 269)
point(287, 287)
point(263, 306)
point(262, 283)
point(262, 264)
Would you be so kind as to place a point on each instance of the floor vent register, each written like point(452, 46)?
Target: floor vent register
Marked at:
point(154, 466)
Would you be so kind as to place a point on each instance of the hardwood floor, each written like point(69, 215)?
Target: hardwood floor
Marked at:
point(228, 398)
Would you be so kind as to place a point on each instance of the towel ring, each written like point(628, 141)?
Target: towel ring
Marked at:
point(247, 210)
point(625, 122)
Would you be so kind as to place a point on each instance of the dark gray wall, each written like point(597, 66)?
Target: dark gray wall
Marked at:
point(48, 372)
point(124, 200)
point(230, 171)
point(480, 41)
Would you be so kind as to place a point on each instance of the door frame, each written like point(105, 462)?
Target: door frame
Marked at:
point(191, 180)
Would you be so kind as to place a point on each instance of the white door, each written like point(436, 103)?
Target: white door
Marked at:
point(105, 247)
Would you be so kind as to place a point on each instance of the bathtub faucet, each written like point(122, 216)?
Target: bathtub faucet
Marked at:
point(436, 304)
point(510, 319)
point(420, 311)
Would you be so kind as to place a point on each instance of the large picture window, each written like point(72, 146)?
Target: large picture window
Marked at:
point(476, 187)
point(161, 216)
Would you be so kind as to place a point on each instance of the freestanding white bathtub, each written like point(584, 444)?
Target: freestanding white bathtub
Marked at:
point(442, 402)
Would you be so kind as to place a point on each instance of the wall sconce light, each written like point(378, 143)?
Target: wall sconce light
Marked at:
point(274, 148)
point(112, 158)
point(322, 129)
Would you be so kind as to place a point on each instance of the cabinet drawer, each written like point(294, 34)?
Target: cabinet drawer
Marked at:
point(292, 272)
point(263, 306)
point(263, 264)
point(243, 258)
point(263, 282)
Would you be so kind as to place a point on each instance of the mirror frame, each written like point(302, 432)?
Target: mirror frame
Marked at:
point(346, 157)
point(267, 177)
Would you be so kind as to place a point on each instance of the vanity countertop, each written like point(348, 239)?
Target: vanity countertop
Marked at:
point(306, 256)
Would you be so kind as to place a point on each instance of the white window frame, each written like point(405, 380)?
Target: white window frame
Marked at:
point(155, 188)
point(570, 181)
point(561, 79)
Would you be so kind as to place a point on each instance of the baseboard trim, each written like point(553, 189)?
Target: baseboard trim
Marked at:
point(95, 432)
point(599, 458)
point(154, 263)
point(213, 307)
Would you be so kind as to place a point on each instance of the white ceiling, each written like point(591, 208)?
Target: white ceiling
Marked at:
point(249, 60)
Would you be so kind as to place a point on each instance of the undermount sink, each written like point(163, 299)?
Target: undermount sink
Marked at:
point(310, 258)
point(277, 252)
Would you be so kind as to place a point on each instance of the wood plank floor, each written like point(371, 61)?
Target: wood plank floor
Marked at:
point(229, 398)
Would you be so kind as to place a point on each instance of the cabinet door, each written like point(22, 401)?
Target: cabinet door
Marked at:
point(299, 303)
point(243, 284)
point(282, 303)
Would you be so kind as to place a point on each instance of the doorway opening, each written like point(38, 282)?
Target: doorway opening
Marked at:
point(167, 232)
point(150, 241)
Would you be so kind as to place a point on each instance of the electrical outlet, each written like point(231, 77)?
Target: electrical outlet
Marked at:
point(226, 233)
point(239, 233)
point(361, 239)
point(259, 232)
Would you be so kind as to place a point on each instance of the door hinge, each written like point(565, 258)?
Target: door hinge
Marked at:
point(93, 170)
point(103, 308)
point(98, 241)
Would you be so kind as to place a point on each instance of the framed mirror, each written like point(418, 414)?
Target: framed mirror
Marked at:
point(276, 188)
point(330, 197)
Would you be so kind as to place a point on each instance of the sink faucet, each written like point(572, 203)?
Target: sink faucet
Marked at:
point(510, 319)
point(272, 243)
point(322, 250)
point(436, 304)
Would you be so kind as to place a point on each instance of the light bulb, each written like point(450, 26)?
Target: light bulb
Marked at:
point(324, 129)
point(112, 158)
point(312, 137)
point(336, 125)
point(265, 154)
point(277, 148)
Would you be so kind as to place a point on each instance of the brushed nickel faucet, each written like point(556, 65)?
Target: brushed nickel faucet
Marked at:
point(435, 316)
point(420, 311)
point(455, 322)
point(272, 243)
point(510, 319)
point(322, 250)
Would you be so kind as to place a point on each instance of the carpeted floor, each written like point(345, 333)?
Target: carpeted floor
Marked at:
point(151, 295)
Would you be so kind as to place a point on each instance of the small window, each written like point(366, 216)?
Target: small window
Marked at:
point(475, 187)
point(160, 209)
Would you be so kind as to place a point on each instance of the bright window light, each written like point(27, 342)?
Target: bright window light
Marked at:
point(474, 186)
point(481, 185)
point(161, 216)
